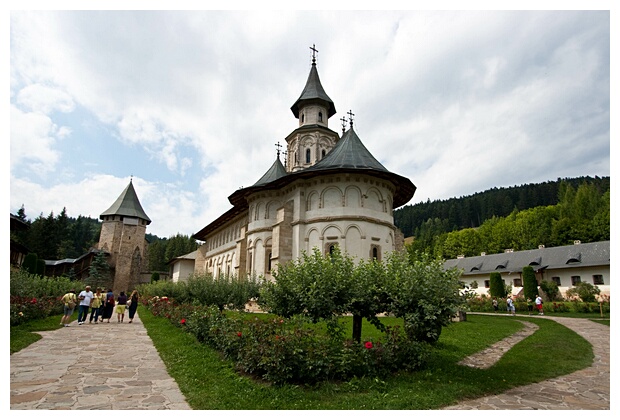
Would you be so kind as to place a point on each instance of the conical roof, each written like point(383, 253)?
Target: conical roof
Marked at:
point(276, 171)
point(314, 92)
point(127, 204)
point(349, 153)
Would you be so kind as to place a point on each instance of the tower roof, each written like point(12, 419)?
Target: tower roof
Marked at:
point(127, 204)
point(313, 92)
point(349, 153)
point(276, 171)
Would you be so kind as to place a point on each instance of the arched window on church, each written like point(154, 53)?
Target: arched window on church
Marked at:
point(302, 118)
point(322, 153)
point(375, 252)
point(269, 262)
point(307, 155)
point(320, 117)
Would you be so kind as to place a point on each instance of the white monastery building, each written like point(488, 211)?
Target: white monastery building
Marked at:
point(329, 192)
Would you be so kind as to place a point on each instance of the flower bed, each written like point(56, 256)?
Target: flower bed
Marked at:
point(291, 350)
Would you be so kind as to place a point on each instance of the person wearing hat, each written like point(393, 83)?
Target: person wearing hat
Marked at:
point(85, 297)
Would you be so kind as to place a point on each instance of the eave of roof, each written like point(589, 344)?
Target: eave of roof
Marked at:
point(229, 215)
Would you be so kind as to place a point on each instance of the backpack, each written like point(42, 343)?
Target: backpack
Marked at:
point(71, 303)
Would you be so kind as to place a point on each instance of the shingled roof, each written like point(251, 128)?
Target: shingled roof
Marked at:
point(276, 171)
point(127, 204)
point(349, 153)
point(580, 255)
point(314, 92)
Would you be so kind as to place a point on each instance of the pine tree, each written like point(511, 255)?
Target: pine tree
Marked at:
point(99, 274)
point(530, 284)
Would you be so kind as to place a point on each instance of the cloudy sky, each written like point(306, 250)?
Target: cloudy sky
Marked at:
point(191, 103)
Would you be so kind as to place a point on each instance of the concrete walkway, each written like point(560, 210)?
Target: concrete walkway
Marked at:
point(587, 389)
point(109, 366)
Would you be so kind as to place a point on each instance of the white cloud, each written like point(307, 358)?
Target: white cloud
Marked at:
point(32, 141)
point(457, 101)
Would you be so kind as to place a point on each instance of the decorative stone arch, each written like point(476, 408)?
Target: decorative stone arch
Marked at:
point(258, 265)
point(312, 201)
point(389, 204)
point(329, 199)
point(332, 235)
point(390, 241)
point(324, 232)
point(352, 196)
point(354, 240)
point(271, 209)
point(373, 199)
point(259, 210)
point(356, 227)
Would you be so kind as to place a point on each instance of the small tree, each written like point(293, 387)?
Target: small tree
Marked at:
point(497, 286)
point(550, 289)
point(474, 284)
point(587, 292)
point(530, 284)
point(422, 293)
point(154, 277)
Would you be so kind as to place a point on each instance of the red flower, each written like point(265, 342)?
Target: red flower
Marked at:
point(183, 321)
point(34, 300)
point(368, 344)
point(239, 334)
point(277, 337)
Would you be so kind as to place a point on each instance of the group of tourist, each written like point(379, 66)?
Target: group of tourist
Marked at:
point(101, 305)
point(510, 305)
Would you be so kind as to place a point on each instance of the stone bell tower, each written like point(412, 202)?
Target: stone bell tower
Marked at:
point(123, 235)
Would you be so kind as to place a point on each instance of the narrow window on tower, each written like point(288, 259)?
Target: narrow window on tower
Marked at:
point(302, 118)
point(320, 117)
point(322, 153)
point(307, 155)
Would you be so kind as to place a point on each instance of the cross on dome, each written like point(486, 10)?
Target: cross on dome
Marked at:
point(314, 51)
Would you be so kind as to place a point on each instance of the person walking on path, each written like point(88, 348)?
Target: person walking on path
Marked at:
point(539, 306)
point(108, 306)
point(70, 300)
point(510, 306)
point(85, 297)
point(121, 306)
point(133, 305)
point(97, 306)
point(495, 305)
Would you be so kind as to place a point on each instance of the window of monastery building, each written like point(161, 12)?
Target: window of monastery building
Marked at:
point(518, 283)
point(597, 279)
point(556, 280)
point(575, 280)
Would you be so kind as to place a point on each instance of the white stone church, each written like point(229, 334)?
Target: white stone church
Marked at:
point(330, 191)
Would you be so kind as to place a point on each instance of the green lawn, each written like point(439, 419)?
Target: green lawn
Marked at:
point(22, 335)
point(209, 383)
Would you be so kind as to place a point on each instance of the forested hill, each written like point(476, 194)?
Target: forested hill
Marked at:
point(472, 211)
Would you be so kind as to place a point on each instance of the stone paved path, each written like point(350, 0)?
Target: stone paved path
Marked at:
point(109, 366)
point(587, 389)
